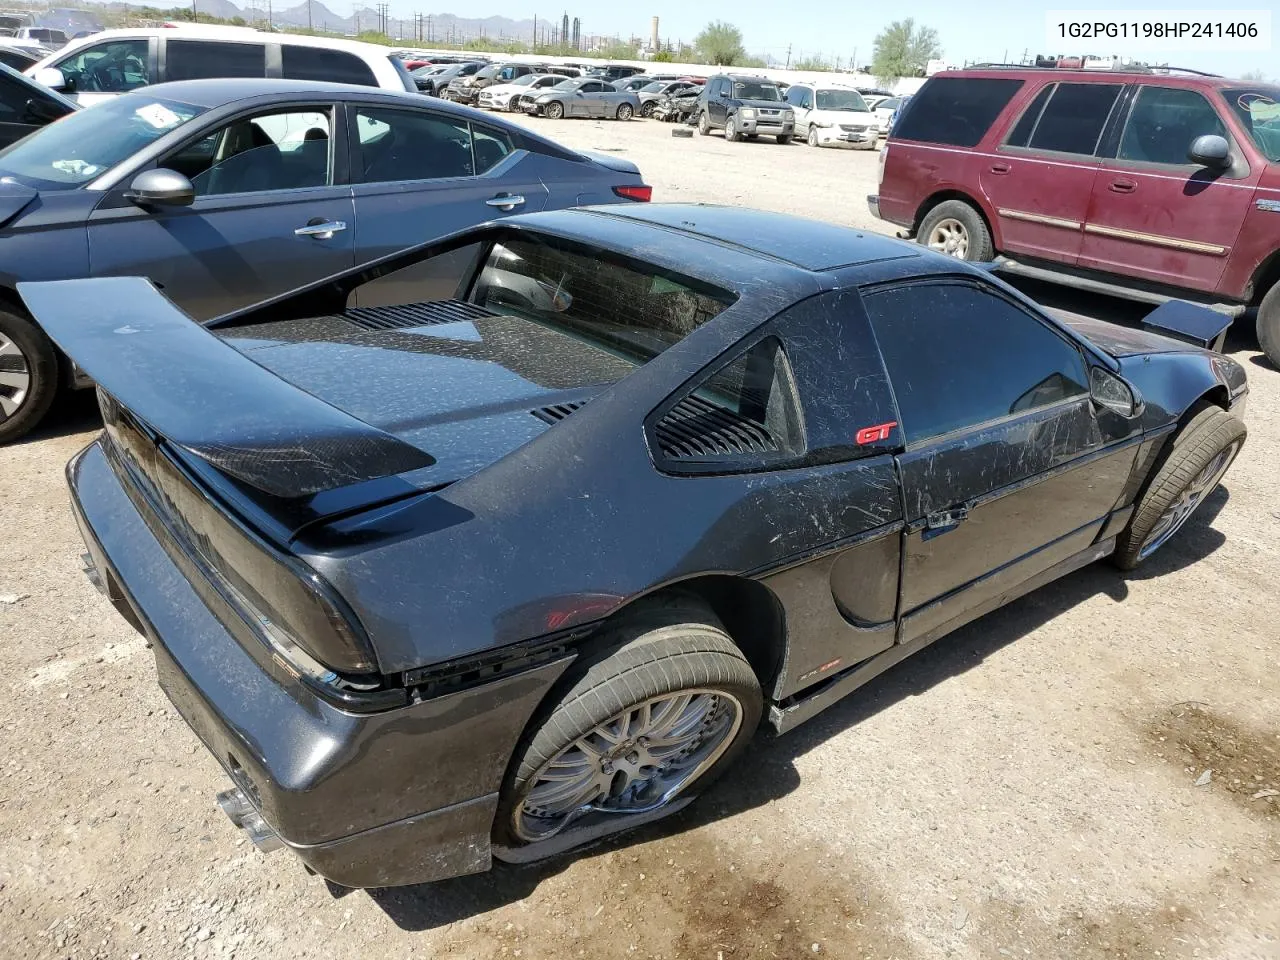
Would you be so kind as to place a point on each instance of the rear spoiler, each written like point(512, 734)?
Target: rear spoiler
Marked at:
point(1189, 322)
point(204, 396)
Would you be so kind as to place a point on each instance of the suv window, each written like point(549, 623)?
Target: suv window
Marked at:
point(106, 67)
point(288, 150)
point(317, 63)
point(398, 145)
point(956, 111)
point(198, 59)
point(1072, 120)
point(959, 355)
point(798, 97)
point(1163, 122)
point(1258, 110)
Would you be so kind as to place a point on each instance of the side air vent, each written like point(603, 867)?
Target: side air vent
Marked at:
point(414, 314)
point(557, 411)
point(695, 429)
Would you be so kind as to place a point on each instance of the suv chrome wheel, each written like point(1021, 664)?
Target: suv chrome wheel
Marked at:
point(949, 236)
point(15, 377)
point(634, 762)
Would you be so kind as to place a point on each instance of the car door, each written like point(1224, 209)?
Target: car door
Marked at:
point(801, 104)
point(420, 174)
point(272, 212)
point(1040, 182)
point(585, 100)
point(1007, 469)
point(1153, 213)
point(716, 110)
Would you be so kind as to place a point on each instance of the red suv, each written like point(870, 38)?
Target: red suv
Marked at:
point(1143, 185)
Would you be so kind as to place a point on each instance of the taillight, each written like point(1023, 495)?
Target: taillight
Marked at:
point(884, 154)
point(641, 192)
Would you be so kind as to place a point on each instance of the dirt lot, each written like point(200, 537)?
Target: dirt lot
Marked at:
point(1032, 786)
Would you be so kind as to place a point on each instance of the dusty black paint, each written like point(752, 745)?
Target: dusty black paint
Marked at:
point(526, 532)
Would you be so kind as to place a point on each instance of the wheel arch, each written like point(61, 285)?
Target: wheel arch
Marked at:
point(1265, 276)
point(950, 193)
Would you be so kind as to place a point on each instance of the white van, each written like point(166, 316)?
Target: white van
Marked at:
point(832, 115)
point(115, 61)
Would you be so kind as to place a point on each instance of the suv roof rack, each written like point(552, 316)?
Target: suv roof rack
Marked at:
point(1127, 68)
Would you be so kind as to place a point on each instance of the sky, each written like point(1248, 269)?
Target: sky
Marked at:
point(968, 30)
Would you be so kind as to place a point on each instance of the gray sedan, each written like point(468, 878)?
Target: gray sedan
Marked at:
point(228, 192)
point(585, 97)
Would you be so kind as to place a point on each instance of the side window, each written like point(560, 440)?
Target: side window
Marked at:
point(747, 409)
point(106, 67)
point(955, 111)
point(279, 151)
point(1074, 117)
point(398, 145)
point(959, 355)
point(198, 59)
point(13, 101)
point(1163, 122)
point(793, 96)
point(1026, 124)
point(316, 63)
point(490, 147)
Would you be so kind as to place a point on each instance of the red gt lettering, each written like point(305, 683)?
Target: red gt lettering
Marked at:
point(875, 434)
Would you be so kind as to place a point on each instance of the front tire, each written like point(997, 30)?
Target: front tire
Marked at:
point(956, 229)
point(704, 124)
point(784, 138)
point(554, 110)
point(624, 112)
point(1200, 455)
point(812, 138)
point(658, 712)
point(646, 110)
point(731, 130)
point(1269, 325)
point(28, 375)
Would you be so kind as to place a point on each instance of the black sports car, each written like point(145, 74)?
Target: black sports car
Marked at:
point(438, 576)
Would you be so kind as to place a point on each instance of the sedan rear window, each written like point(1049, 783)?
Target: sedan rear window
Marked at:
point(632, 310)
point(956, 111)
point(88, 143)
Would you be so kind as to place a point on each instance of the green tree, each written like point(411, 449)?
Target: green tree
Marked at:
point(663, 56)
point(719, 43)
point(812, 64)
point(902, 50)
point(1254, 76)
point(618, 51)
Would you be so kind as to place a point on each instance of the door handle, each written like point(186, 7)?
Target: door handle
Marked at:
point(1123, 186)
point(505, 201)
point(321, 229)
point(943, 521)
point(1000, 168)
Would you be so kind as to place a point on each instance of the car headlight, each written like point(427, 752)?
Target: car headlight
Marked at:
point(790, 115)
point(746, 113)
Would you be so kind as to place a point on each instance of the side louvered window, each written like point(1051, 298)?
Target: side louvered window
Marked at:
point(745, 414)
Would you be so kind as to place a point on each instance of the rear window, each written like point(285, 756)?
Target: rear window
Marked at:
point(316, 63)
point(956, 111)
point(633, 311)
point(198, 59)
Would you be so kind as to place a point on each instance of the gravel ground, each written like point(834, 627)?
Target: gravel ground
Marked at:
point(1033, 786)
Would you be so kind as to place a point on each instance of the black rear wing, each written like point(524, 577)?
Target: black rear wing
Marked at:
point(204, 396)
point(1189, 322)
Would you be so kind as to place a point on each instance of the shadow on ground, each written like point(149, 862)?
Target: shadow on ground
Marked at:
point(767, 770)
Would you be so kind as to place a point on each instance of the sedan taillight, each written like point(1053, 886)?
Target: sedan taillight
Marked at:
point(641, 192)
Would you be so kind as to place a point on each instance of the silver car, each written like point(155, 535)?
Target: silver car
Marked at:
point(655, 90)
point(584, 97)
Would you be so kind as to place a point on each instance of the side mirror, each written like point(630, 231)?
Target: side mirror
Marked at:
point(1112, 393)
point(51, 77)
point(161, 188)
point(1210, 151)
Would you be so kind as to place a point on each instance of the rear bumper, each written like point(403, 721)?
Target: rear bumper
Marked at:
point(403, 796)
point(873, 204)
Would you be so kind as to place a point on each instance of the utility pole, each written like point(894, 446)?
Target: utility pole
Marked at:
point(535, 32)
point(310, 26)
point(788, 67)
point(195, 17)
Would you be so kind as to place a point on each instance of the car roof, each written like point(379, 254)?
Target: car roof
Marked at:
point(811, 245)
point(1017, 72)
point(242, 34)
point(216, 91)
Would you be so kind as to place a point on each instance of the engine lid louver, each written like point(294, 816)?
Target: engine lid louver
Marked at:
point(695, 429)
point(414, 314)
point(556, 411)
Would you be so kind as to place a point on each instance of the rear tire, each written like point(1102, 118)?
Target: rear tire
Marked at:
point(1269, 325)
point(608, 741)
point(1199, 456)
point(28, 375)
point(624, 112)
point(554, 110)
point(956, 229)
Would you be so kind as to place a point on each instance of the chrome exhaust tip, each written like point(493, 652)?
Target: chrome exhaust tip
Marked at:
point(244, 815)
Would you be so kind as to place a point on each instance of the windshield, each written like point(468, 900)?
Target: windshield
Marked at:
point(87, 143)
point(488, 73)
point(755, 90)
point(1258, 110)
point(841, 100)
point(566, 85)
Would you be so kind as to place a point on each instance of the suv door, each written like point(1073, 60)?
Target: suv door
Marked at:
point(717, 111)
point(272, 212)
point(1156, 215)
point(1039, 185)
point(1008, 469)
point(419, 175)
point(801, 100)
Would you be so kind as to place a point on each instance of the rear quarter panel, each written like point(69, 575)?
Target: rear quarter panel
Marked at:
point(1259, 238)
